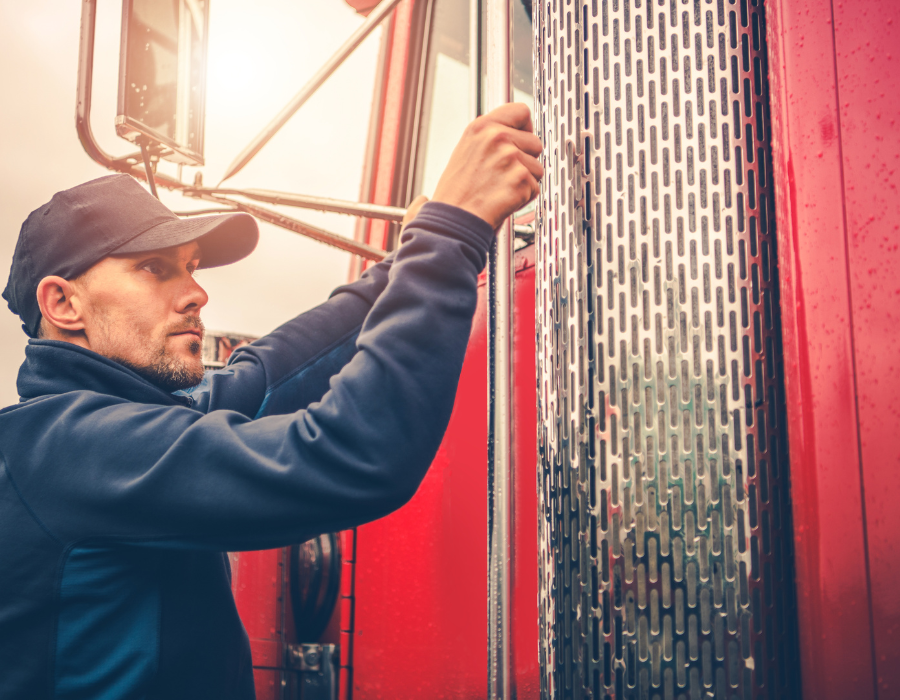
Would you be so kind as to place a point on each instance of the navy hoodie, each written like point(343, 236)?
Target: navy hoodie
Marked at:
point(117, 499)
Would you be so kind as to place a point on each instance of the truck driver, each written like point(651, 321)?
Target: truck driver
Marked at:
point(126, 473)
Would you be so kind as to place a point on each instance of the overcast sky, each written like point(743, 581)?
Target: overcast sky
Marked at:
point(259, 58)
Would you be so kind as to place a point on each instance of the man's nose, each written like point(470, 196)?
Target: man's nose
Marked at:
point(193, 297)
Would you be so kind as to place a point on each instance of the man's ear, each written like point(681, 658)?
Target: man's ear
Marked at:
point(59, 304)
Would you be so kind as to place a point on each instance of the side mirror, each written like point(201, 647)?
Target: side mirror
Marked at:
point(162, 77)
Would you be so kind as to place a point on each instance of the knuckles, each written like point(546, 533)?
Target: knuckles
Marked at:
point(526, 184)
point(507, 156)
point(478, 125)
point(496, 137)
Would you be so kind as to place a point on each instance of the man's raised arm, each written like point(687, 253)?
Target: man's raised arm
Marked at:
point(224, 480)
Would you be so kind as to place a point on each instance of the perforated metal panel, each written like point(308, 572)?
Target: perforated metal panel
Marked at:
point(664, 531)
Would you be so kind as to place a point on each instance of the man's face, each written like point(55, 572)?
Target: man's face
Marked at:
point(143, 311)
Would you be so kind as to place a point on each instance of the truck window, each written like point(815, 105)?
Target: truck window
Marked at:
point(446, 103)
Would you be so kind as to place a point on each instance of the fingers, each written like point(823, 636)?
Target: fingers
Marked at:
point(526, 189)
point(510, 122)
point(501, 134)
point(533, 164)
point(525, 141)
point(516, 115)
point(524, 184)
point(534, 189)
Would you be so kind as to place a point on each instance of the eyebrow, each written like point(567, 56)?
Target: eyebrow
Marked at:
point(197, 253)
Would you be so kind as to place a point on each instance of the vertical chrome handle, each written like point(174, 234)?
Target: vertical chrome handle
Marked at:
point(500, 304)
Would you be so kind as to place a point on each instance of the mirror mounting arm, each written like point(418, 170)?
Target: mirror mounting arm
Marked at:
point(148, 168)
point(304, 229)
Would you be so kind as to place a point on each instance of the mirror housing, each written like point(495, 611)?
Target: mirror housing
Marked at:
point(162, 77)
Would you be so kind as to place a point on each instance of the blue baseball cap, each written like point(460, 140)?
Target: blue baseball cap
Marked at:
point(111, 215)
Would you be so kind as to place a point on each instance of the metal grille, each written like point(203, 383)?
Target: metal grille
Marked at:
point(665, 533)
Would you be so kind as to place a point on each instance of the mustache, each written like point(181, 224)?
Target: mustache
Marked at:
point(189, 323)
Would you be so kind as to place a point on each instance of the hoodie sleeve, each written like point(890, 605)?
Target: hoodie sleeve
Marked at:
point(172, 476)
point(290, 367)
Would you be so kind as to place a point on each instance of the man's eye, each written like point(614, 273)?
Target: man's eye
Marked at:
point(153, 268)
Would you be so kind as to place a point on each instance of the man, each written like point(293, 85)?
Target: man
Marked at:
point(118, 497)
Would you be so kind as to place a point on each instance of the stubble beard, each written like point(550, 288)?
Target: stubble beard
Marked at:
point(168, 371)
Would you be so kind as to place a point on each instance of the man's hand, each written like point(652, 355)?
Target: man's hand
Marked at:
point(494, 170)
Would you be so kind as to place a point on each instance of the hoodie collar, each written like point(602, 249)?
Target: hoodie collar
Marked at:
point(57, 367)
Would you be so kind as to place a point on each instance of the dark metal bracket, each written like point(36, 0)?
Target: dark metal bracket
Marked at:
point(317, 667)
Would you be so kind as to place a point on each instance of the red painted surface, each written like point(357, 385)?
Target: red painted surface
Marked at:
point(342, 622)
point(867, 44)
point(421, 573)
point(835, 103)
point(525, 611)
point(258, 584)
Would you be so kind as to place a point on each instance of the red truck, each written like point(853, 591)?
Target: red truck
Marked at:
point(704, 350)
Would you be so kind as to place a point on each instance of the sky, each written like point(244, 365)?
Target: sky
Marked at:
point(258, 59)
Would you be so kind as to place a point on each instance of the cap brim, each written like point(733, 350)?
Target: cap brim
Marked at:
point(223, 239)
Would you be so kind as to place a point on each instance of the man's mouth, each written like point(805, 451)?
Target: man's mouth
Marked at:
point(191, 327)
point(195, 329)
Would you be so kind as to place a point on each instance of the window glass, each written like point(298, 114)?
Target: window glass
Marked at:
point(446, 108)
